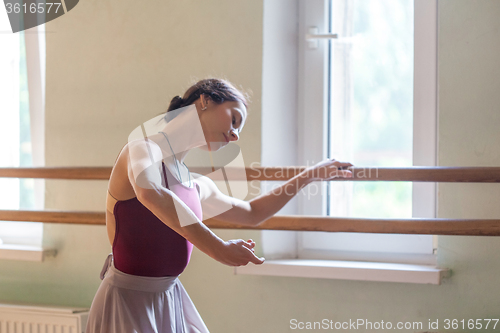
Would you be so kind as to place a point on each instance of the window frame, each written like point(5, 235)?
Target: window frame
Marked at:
point(313, 102)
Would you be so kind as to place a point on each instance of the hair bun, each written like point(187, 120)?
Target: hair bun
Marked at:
point(175, 103)
point(177, 100)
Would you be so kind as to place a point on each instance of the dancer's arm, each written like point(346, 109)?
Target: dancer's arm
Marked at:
point(264, 206)
point(144, 171)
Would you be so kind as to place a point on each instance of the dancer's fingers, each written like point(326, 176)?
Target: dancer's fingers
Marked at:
point(249, 245)
point(256, 260)
point(346, 174)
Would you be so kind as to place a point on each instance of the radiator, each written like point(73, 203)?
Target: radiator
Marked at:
point(41, 319)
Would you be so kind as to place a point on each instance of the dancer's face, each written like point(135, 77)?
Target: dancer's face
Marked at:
point(221, 123)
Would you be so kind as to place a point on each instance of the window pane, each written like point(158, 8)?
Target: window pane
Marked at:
point(371, 109)
point(15, 138)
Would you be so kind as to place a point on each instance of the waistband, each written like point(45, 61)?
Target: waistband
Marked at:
point(113, 276)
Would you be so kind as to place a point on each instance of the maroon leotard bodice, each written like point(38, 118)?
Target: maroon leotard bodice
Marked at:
point(143, 244)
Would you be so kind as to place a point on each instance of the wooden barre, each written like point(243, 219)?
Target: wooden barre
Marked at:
point(88, 173)
point(464, 227)
point(415, 174)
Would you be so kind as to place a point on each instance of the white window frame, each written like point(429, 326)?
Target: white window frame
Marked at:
point(312, 106)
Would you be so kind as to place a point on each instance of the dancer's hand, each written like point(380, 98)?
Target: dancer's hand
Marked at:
point(328, 169)
point(237, 252)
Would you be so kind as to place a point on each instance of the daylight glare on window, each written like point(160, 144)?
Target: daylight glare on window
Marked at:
point(15, 137)
point(371, 103)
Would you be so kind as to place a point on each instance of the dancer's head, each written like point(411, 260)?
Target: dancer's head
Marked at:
point(221, 107)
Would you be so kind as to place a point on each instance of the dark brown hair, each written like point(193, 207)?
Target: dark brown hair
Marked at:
point(217, 90)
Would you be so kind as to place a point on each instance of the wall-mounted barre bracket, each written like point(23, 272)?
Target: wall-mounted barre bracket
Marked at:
point(313, 36)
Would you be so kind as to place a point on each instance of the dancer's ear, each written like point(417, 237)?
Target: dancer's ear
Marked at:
point(203, 102)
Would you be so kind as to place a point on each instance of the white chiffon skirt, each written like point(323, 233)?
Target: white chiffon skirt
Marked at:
point(127, 303)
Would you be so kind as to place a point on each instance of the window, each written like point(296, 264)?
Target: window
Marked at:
point(359, 91)
point(21, 124)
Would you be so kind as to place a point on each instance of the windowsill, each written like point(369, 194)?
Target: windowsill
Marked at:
point(25, 252)
point(347, 270)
